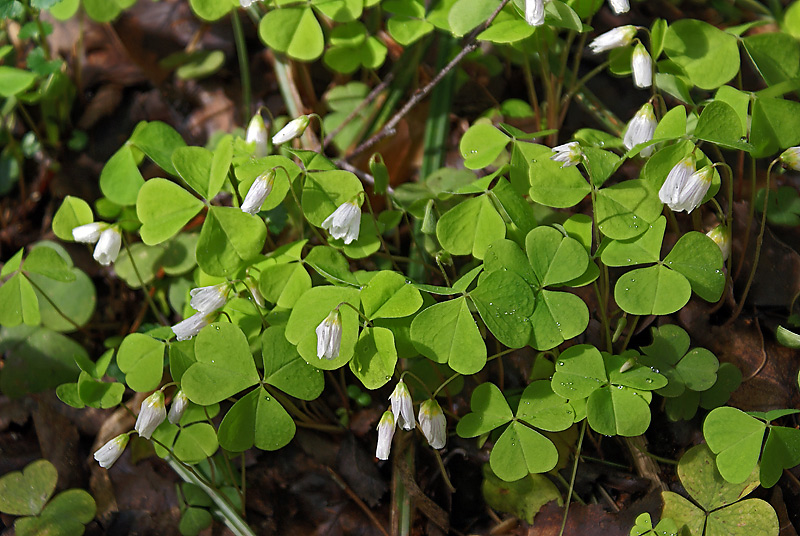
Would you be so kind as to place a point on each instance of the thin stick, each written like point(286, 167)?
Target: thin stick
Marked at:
point(572, 479)
point(389, 128)
point(377, 90)
point(341, 483)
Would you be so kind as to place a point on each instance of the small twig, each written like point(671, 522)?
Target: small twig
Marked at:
point(365, 177)
point(355, 498)
point(377, 90)
point(389, 128)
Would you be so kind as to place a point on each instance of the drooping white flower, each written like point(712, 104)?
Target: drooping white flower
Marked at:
point(345, 222)
point(642, 67)
point(256, 129)
point(258, 192)
point(569, 154)
point(329, 335)
point(640, 129)
point(89, 233)
point(618, 37)
point(111, 451)
point(151, 415)
point(619, 6)
point(107, 248)
point(673, 185)
point(694, 190)
point(721, 236)
point(534, 12)
point(188, 328)
point(247, 3)
point(402, 406)
point(292, 130)
point(433, 423)
point(789, 158)
point(209, 299)
point(385, 435)
point(179, 404)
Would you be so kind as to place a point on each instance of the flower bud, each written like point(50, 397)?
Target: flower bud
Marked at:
point(151, 415)
point(257, 134)
point(292, 130)
point(209, 299)
point(641, 129)
point(670, 192)
point(534, 12)
point(385, 435)
point(618, 37)
point(258, 192)
point(569, 154)
point(642, 67)
point(89, 233)
point(790, 158)
point(111, 451)
point(619, 6)
point(178, 407)
point(186, 329)
point(329, 335)
point(433, 423)
point(402, 406)
point(721, 236)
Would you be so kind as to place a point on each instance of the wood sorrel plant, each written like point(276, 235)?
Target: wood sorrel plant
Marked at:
point(293, 273)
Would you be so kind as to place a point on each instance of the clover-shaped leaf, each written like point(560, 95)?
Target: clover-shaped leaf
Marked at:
point(505, 302)
point(446, 333)
point(644, 527)
point(618, 410)
point(541, 407)
point(520, 451)
point(489, 411)
point(718, 513)
point(668, 354)
point(579, 372)
point(470, 226)
point(735, 437)
point(24, 493)
point(141, 358)
point(257, 419)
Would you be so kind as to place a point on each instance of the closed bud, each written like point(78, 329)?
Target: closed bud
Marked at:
point(642, 67)
point(178, 407)
point(385, 435)
point(186, 329)
point(292, 130)
point(151, 415)
point(641, 129)
point(258, 192)
point(534, 12)
point(402, 406)
point(109, 453)
point(618, 37)
point(433, 423)
point(329, 335)
point(721, 236)
point(208, 299)
point(89, 233)
point(257, 134)
point(671, 190)
point(619, 6)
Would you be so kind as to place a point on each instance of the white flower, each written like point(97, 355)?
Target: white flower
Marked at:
point(186, 329)
point(256, 129)
point(694, 190)
point(107, 248)
point(345, 222)
point(292, 130)
point(619, 6)
point(721, 236)
point(179, 404)
point(640, 129)
point(258, 192)
point(789, 158)
point(209, 299)
point(247, 3)
point(151, 415)
point(642, 67)
point(618, 37)
point(402, 407)
point(89, 233)
point(569, 153)
point(111, 451)
point(329, 335)
point(673, 185)
point(252, 286)
point(433, 423)
point(385, 435)
point(534, 12)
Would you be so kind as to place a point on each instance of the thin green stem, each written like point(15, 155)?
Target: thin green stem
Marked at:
point(444, 472)
point(244, 67)
point(443, 385)
point(631, 330)
point(572, 479)
point(51, 302)
point(145, 288)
